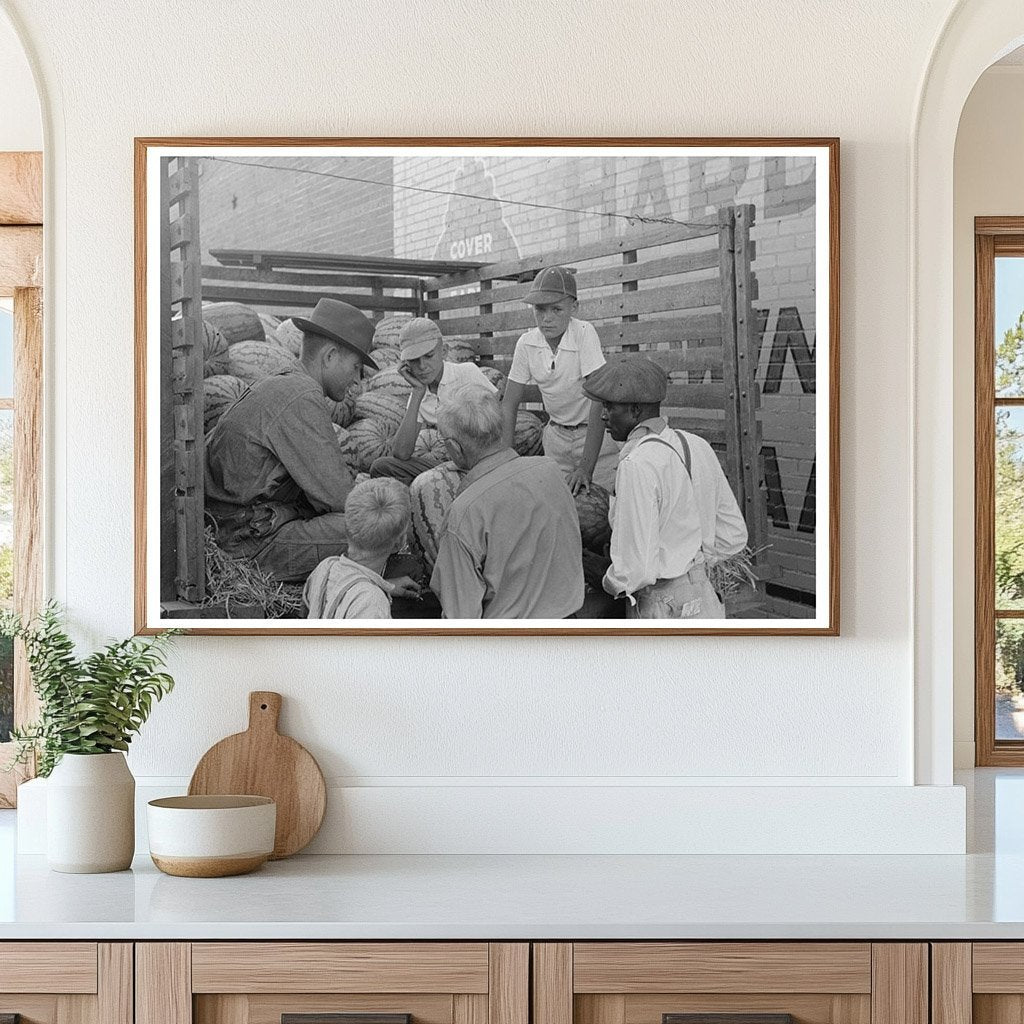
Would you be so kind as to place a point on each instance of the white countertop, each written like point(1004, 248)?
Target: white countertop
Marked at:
point(517, 897)
point(977, 896)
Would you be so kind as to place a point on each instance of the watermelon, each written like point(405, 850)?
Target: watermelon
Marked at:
point(289, 336)
point(432, 494)
point(529, 436)
point(387, 330)
point(253, 360)
point(215, 352)
point(382, 406)
point(385, 356)
point(235, 321)
point(496, 377)
point(430, 442)
point(219, 393)
point(592, 509)
point(390, 381)
point(460, 350)
point(270, 324)
point(368, 439)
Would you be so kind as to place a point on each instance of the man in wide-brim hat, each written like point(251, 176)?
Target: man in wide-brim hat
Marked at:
point(276, 480)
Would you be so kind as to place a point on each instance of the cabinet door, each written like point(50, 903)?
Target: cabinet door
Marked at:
point(730, 983)
point(66, 982)
point(981, 982)
point(332, 983)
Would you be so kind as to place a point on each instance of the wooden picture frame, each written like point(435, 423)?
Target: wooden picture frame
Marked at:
point(752, 226)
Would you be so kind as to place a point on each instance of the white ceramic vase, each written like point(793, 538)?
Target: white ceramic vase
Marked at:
point(90, 814)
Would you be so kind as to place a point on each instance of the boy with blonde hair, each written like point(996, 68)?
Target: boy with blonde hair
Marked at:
point(558, 355)
point(352, 586)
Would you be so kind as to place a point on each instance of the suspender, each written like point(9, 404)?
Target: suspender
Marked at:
point(684, 458)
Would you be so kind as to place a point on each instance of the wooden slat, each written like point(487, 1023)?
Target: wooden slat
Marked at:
point(163, 983)
point(899, 992)
point(233, 1009)
point(21, 259)
point(340, 967)
point(998, 967)
point(66, 967)
point(696, 295)
point(606, 1009)
point(115, 983)
point(614, 334)
point(825, 1008)
point(696, 396)
point(721, 967)
point(21, 188)
point(951, 1001)
point(467, 1009)
point(72, 1009)
point(667, 266)
point(255, 296)
point(512, 269)
point(302, 279)
point(508, 993)
point(997, 1009)
point(552, 983)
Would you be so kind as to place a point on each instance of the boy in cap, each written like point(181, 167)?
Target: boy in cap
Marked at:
point(433, 379)
point(657, 561)
point(352, 586)
point(558, 355)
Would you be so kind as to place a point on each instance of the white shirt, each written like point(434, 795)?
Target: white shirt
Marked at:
point(453, 376)
point(723, 530)
point(559, 376)
point(339, 588)
point(656, 526)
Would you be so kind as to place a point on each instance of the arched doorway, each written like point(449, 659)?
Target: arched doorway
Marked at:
point(977, 33)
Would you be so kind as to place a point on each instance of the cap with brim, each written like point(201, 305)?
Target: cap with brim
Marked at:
point(343, 324)
point(419, 337)
point(632, 380)
point(551, 285)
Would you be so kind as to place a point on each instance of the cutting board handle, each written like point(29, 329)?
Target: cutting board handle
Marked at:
point(264, 710)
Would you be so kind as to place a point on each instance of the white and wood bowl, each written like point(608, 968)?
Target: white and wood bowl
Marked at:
point(211, 836)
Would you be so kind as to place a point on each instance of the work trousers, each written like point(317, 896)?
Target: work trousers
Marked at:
point(689, 596)
point(565, 446)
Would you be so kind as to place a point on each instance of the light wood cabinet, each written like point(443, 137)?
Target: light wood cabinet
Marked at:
point(752, 982)
point(262, 982)
point(66, 982)
point(978, 983)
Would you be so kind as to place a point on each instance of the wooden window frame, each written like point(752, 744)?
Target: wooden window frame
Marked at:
point(21, 278)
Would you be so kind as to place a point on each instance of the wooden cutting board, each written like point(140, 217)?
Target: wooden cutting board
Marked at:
point(262, 762)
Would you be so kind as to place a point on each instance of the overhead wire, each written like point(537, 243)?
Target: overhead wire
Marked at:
point(634, 218)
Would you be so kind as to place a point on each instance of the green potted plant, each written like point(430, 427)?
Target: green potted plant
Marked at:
point(89, 709)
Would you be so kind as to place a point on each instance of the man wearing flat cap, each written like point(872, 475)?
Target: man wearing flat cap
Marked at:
point(434, 380)
point(276, 480)
point(664, 533)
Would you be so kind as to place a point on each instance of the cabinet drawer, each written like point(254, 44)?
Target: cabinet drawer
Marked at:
point(730, 983)
point(66, 982)
point(332, 983)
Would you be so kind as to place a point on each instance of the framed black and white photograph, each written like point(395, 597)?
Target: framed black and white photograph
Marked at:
point(450, 386)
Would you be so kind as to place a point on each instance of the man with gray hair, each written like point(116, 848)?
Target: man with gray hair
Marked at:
point(511, 547)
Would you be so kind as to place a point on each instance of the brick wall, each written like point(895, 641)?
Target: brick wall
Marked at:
point(278, 206)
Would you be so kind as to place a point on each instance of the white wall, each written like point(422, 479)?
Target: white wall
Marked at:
point(424, 715)
point(21, 126)
point(987, 182)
